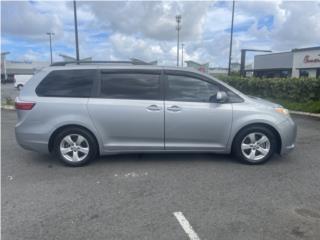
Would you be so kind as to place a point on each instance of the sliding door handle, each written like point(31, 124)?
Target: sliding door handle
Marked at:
point(174, 108)
point(154, 107)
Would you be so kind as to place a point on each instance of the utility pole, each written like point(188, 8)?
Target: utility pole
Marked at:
point(50, 36)
point(182, 54)
point(178, 20)
point(230, 48)
point(76, 30)
point(4, 65)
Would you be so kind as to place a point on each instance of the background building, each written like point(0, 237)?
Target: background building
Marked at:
point(306, 62)
point(200, 67)
point(11, 68)
point(302, 62)
point(235, 67)
point(218, 71)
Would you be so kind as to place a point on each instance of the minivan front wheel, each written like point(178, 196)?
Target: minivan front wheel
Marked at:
point(75, 146)
point(255, 145)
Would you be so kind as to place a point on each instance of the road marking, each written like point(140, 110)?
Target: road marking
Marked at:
point(186, 226)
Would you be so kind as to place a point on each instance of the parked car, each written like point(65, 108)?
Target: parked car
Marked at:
point(81, 111)
point(21, 80)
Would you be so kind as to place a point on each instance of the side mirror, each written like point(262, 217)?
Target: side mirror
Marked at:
point(221, 97)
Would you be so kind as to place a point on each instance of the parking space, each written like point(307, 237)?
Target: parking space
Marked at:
point(139, 196)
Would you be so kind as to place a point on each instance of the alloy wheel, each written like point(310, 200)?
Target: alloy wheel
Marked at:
point(74, 147)
point(255, 146)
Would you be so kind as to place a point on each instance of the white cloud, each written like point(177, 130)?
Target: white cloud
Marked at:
point(151, 19)
point(125, 46)
point(298, 28)
point(22, 19)
point(147, 29)
point(32, 55)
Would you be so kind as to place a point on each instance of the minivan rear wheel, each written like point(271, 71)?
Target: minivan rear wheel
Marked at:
point(254, 145)
point(75, 146)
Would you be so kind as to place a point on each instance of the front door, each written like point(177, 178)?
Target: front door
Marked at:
point(193, 120)
point(129, 111)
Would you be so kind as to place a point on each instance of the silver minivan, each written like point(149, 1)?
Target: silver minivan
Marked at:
point(80, 111)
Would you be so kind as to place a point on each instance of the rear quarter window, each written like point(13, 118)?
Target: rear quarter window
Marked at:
point(140, 86)
point(67, 83)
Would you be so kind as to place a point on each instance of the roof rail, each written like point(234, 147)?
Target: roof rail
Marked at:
point(99, 62)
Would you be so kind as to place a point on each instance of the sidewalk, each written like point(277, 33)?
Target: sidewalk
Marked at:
point(314, 115)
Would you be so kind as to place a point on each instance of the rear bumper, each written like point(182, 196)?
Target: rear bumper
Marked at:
point(288, 134)
point(30, 141)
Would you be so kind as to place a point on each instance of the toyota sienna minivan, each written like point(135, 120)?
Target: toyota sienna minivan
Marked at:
point(81, 111)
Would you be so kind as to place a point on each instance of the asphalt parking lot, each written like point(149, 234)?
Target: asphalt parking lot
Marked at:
point(136, 196)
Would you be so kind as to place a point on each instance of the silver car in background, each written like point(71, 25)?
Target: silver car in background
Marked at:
point(80, 111)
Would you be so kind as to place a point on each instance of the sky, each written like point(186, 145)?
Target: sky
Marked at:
point(119, 30)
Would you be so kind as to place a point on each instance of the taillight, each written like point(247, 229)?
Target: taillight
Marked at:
point(21, 105)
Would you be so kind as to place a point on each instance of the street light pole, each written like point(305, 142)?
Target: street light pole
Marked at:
point(182, 54)
point(50, 35)
point(178, 19)
point(76, 29)
point(230, 48)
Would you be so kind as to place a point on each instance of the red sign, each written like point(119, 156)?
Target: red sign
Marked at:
point(307, 59)
point(202, 69)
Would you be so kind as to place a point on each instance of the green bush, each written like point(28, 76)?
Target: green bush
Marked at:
point(9, 101)
point(300, 90)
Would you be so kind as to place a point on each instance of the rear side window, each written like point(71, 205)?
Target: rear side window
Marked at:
point(130, 86)
point(67, 83)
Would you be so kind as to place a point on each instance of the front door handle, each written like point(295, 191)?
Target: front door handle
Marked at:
point(174, 108)
point(154, 107)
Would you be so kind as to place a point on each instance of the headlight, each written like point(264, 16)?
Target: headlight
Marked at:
point(282, 110)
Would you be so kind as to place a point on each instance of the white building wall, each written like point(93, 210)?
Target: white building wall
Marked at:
point(306, 59)
point(218, 71)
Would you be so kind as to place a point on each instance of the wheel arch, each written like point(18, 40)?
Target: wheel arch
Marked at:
point(270, 127)
point(61, 128)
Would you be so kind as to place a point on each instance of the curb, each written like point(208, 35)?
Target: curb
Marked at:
point(306, 114)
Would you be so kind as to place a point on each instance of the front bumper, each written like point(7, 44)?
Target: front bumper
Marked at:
point(288, 134)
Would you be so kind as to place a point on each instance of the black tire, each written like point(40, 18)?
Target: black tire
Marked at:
point(236, 148)
point(20, 86)
point(74, 132)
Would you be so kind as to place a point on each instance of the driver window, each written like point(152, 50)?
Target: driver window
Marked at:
point(189, 89)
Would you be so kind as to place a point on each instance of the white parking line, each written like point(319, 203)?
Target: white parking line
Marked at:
point(186, 226)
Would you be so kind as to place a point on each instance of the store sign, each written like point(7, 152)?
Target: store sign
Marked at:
point(202, 69)
point(308, 59)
